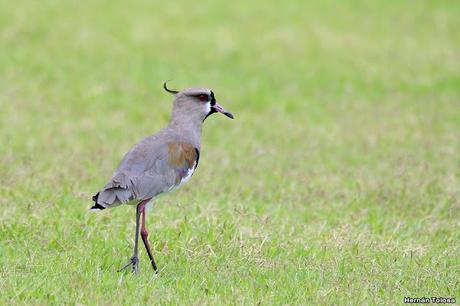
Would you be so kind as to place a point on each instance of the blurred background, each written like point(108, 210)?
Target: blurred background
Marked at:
point(340, 168)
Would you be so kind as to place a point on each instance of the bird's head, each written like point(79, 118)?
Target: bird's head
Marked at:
point(196, 102)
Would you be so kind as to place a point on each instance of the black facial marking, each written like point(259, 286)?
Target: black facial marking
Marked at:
point(212, 111)
point(213, 102)
point(213, 99)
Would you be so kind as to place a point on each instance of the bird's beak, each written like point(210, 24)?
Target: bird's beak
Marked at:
point(219, 109)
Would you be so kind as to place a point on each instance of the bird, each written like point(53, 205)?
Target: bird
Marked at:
point(160, 163)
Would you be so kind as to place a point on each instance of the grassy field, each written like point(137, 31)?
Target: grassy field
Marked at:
point(337, 183)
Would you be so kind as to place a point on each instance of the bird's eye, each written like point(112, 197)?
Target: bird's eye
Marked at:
point(203, 98)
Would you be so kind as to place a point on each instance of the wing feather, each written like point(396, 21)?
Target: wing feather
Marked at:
point(148, 170)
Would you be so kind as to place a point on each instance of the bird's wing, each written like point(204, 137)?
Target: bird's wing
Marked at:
point(148, 169)
point(169, 171)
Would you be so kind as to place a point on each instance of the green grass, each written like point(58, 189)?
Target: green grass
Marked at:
point(337, 183)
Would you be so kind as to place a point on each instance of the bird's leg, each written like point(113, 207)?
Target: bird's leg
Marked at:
point(135, 259)
point(144, 235)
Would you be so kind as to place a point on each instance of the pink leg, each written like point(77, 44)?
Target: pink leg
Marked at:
point(135, 260)
point(144, 235)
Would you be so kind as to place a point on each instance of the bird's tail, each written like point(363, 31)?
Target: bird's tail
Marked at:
point(96, 206)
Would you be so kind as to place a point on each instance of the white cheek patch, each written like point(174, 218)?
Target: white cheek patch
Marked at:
point(207, 107)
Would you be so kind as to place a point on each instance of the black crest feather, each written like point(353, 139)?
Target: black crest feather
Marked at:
point(169, 90)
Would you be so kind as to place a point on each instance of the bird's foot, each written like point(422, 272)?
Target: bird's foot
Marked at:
point(134, 263)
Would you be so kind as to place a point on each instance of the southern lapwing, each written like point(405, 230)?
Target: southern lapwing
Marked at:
point(161, 162)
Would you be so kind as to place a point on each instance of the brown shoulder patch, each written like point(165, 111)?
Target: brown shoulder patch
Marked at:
point(180, 153)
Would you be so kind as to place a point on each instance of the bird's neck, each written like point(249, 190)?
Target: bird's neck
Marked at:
point(187, 128)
